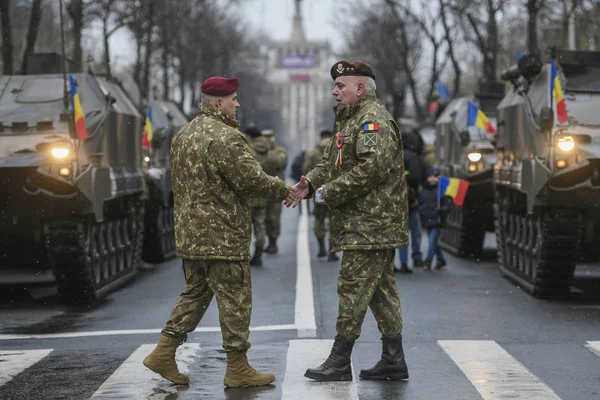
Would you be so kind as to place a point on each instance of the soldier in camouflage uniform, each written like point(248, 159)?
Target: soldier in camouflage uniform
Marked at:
point(320, 210)
point(214, 175)
point(361, 180)
point(258, 207)
point(277, 161)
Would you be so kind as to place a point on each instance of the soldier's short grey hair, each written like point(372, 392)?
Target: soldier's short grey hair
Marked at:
point(207, 98)
point(369, 83)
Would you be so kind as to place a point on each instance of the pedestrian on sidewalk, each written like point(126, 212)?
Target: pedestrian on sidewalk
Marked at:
point(214, 175)
point(434, 208)
point(357, 180)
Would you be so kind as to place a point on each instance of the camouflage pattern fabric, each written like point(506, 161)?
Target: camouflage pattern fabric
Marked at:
point(320, 213)
point(260, 147)
point(214, 175)
point(320, 210)
point(259, 216)
point(367, 280)
point(273, 219)
point(366, 192)
point(230, 282)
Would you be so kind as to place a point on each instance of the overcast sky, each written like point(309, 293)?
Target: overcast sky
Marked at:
point(272, 16)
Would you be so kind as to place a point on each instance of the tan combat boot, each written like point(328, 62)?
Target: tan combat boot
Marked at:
point(239, 373)
point(162, 361)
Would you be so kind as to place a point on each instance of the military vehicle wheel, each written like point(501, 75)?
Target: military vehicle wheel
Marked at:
point(91, 259)
point(538, 251)
point(463, 234)
point(159, 239)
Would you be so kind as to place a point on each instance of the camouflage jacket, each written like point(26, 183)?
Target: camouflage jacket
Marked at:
point(277, 161)
point(315, 155)
point(366, 192)
point(261, 149)
point(214, 174)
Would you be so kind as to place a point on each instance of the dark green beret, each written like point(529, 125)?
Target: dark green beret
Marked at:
point(351, 68)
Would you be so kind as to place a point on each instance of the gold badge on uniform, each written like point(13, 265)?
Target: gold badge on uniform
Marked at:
point(340, 68)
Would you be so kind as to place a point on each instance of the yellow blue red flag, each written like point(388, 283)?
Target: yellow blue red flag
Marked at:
point(557, 93)
point(455, 188)
point(476, 117)
point(148, 133)
point(80, 127)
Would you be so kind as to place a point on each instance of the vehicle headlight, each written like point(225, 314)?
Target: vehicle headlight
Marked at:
point(60, 152)
point(566, 143)
point(474, 157)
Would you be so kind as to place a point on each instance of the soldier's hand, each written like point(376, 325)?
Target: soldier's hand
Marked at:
point(291, 198)
point(301, 190)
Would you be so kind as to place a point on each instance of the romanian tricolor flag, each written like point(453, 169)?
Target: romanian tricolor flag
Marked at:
point(556, 92)
point(147, 137)
point(476, 117)
point(371, 127)
point(80, 127)
point(455, 188)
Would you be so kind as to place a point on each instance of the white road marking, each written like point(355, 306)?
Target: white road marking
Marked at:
point(310, 353)
point(494, 372)
point(304, 316)
point(13, 362)
point(132, 332)
point(594, 347)
point(132, 380)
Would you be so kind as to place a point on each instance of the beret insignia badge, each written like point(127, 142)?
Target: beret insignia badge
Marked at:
point(340, 68)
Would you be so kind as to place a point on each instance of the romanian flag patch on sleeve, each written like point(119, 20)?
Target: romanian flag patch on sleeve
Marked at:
point(371, 127)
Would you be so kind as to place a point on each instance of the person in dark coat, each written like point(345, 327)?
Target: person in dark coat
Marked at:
point(433, 210)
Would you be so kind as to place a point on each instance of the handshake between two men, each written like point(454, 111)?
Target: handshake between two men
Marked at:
point(299, 192)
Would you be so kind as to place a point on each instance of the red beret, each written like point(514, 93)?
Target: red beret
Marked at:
point(351, 68)
point(219, 86)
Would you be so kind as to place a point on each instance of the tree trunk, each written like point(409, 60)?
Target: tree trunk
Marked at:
point(75, 10)
point(7, 44)
point(165, 66)
point(105, 36)
point(492, 53)
point(532, 42)
point(32, 32)
point(451, 54)
point(182, 78)
point(434, 73)
point(148, 55)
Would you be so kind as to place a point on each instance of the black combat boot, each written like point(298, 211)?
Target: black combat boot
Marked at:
point(392, 365)
point(322, 252)
point(404, 269)
point(332, 255)
point(272, 247)
point(337, 366)
point(257, 258)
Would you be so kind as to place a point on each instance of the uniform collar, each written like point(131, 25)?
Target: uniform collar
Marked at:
point(344, 112)
point(212, 111)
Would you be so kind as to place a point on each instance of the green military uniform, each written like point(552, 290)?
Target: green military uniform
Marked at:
point(366, 195)
point(277, 162)
point(214, 176)
point(320, 210)
point(258, 207)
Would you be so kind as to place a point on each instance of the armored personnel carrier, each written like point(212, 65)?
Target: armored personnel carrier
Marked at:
point(74, 206)
point(159, 237)
point(547, 175)
point(467, 152)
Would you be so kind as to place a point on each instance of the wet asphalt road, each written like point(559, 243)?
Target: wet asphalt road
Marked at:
point(467, 301)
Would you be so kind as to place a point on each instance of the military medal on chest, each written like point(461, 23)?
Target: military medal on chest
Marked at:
point(339, 144)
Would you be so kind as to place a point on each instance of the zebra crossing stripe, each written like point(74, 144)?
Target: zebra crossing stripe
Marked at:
point(309, 353)
point(134, 381)
point(13, 362)
point(304, 311)
point(594, 347)
point(494, 372)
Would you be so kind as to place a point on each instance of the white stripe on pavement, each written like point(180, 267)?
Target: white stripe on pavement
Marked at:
point(310, 353)
point(132, 380)
point(133, 332)
point(594, 347)
point(494, 372)
point(304, 316)
point(13, 362)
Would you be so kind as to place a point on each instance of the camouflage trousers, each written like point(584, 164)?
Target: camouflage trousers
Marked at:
point(273, 219)
point(230, 282)
point(320, 212)
point(367, 280)
point(258, 225)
